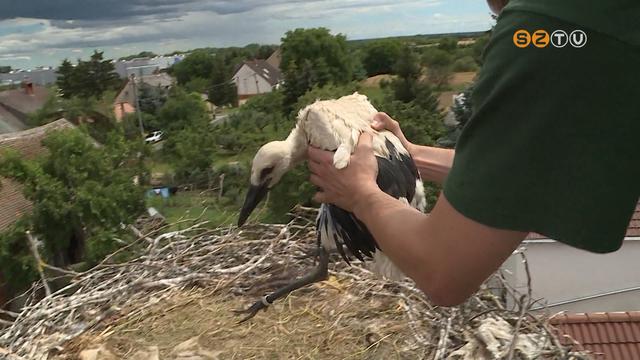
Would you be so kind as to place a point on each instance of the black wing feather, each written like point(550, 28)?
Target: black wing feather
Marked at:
point(397, 175)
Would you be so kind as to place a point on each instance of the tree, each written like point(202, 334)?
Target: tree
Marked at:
point(88, 78)
point(198, 64)
point(448, 44)
point(66, 79)
point(381, 56)
point(222, 91)
point(438, 64)
point(313, 57)
point(82, 194)
point(193, 152)
point(182, 110)
point(408, 70)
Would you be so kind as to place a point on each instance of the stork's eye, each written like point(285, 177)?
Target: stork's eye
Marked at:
point(265, 172)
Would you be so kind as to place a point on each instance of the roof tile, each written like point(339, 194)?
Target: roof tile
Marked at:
point(608, 335)
point(13, 204)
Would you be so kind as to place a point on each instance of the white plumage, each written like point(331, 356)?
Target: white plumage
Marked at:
point(336, 125)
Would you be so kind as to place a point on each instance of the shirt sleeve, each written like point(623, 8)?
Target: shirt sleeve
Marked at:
point(552, 145)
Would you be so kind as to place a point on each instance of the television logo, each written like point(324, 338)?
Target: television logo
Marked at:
point(542, 39)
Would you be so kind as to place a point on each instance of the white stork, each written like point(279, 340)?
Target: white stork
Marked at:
point(335, 125)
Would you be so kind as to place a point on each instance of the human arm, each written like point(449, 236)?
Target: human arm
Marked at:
point(433, 163)
point(448, 255)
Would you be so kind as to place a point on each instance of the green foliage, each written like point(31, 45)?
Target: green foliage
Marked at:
point(79, 193)
point(313, 57)
point(464, 64)
point(49, 112)
point(151, 98)
point(438, 64)
point(197, 84)
point(222, 91)
point(142, 54)
point(193, 152)
point(198, 64)
point(381, 56)
point(448, 44)
point(421, 123)
point(16, 262)
point(182, 110)
point(88, 78)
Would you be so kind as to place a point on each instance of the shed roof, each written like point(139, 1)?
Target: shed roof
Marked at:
point(614, 335)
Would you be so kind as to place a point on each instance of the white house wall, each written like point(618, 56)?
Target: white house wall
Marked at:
point(249, 83)
point(574, 279)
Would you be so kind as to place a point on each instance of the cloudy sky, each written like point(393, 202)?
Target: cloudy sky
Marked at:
point(43, 32)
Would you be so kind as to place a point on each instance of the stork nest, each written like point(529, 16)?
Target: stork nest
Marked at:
point(190, 279)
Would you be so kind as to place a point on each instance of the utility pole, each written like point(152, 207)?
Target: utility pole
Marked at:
point(135, 94)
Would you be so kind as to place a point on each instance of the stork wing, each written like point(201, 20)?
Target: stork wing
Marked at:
point(398, 177)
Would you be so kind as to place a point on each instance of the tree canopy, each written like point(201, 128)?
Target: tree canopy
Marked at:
point(381, 56)
point(88, 78)
point(313, 57)
point(81, 195)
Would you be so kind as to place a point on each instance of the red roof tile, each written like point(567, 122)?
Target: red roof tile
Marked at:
point(13, 204)
point(632, 231)
point(613, 335)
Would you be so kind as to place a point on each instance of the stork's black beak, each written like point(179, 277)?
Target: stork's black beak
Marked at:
point(254, 196)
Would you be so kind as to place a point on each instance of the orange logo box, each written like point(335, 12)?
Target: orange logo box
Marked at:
point(540, 39)
point(522, 38)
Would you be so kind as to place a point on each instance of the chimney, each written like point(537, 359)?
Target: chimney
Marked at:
point(27, 85)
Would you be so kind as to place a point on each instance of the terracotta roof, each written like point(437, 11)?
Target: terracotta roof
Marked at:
point(632, 231)
point(265, 70)
point(22, 102)
point(13, 205)
point(9, 122)
point(613, 335)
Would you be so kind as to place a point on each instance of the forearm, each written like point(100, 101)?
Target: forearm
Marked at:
point(447, 255)
point(433, 163)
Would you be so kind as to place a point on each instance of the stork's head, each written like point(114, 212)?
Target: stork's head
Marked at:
point(271, 162)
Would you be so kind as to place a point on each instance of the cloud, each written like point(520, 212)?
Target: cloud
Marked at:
point(38, 27)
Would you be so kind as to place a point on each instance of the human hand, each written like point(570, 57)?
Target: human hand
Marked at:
point(382, 121)
point(345, 188)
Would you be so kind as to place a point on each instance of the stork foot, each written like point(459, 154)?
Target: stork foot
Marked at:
point(319, 273)
point(252, 310)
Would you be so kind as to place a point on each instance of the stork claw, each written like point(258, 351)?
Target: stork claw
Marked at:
point(251, 311)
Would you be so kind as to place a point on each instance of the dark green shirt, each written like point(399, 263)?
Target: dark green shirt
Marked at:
point(616, 18)
point(553, 145)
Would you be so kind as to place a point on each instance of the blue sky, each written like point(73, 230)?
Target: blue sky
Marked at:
point(43, 32)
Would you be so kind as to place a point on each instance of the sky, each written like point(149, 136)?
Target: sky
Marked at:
point(44, 32)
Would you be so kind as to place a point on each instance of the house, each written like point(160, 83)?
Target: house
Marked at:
point(13, 205)
point(574, 280)
point(17, 104)
point(256, 77)
point(125, 102)
point(607, 335)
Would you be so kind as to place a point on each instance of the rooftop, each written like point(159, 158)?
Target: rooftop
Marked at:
point(28, 143)
point(263, 68)
point(614, 335)
point(22, 101)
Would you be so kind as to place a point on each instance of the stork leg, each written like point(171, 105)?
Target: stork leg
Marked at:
point(319, 273)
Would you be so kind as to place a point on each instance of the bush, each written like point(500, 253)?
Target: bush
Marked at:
point(465, 64)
